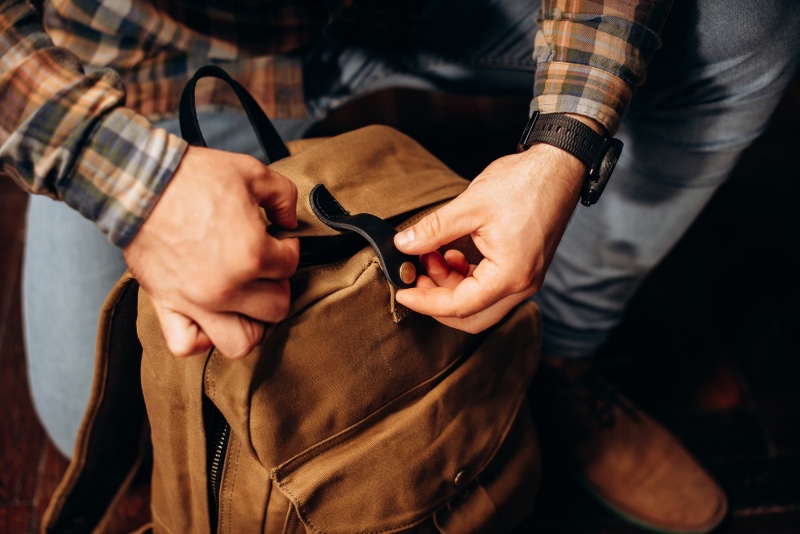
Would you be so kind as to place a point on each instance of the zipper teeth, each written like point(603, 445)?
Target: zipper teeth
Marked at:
point(222, 429)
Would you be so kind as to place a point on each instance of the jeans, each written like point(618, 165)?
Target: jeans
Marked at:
point(710, 91)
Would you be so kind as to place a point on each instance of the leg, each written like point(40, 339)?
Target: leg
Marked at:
point(710, 92)
point(487, 51)
point(68, 269)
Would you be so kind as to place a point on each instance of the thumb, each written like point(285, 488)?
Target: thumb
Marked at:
point(439, 228)
point(184, 337)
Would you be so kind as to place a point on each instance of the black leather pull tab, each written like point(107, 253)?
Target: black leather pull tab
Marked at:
point(400, 269)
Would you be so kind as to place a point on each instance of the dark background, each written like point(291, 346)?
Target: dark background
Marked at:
point(709, 346)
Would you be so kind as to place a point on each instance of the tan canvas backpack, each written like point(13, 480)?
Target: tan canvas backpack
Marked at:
point(353, 415)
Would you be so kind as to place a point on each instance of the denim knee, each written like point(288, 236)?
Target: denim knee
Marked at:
point(710, 92)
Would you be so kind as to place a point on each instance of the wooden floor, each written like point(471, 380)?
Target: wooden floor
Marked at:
point(709, 346)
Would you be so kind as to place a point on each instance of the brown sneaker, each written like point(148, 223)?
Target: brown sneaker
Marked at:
point(632, 464)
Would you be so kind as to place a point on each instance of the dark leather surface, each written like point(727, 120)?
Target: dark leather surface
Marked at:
point(268, 137)
point(375, 230)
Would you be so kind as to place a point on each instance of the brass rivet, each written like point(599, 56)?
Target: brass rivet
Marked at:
point(408, 273)
point(460, 478)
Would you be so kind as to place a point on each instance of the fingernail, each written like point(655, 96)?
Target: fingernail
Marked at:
point(406, 237)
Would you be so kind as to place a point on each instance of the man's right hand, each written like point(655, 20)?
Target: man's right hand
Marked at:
point(214, 274)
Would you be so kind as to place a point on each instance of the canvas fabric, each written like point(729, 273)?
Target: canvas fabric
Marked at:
point(352, 415)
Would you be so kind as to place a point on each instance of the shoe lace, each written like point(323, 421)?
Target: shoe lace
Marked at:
point(602, 398)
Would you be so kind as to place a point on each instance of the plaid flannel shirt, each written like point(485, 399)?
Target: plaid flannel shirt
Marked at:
point(591, 54)
point(85, 137)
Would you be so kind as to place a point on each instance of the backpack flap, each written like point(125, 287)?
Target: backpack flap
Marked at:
point(375, 169)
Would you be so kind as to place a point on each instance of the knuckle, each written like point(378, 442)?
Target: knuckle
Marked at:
point(251, 263)
point(290, 258)
point(433, 224)
point(238, 352)
point(519, 284)
point(281, 259)
point(211, 294)
point(178, 347)
point(526, 282)
point(291, 189)
point(244, 344)
point(282, 308)
point(282, 302)
point(252, 166)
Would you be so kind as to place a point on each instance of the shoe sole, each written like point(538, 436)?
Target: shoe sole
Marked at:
point(635, 520)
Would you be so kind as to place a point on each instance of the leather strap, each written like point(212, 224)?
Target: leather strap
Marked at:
point(400, 269)
point(567, 134)
point(268, 137)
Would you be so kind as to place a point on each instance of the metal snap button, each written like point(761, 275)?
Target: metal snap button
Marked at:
point(460, 478)
point(408, 273)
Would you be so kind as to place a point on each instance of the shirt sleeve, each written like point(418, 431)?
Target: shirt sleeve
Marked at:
point(591, 54)
point(67, 134)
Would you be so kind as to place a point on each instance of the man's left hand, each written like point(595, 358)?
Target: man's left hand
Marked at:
point(516, 211)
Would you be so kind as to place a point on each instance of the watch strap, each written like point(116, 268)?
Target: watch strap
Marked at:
point(597, 152)
point(565, 133)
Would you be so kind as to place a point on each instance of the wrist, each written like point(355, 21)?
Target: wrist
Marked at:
point(566, 170)
point(581, 137)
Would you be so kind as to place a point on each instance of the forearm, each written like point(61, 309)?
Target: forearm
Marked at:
point(591, 55)
point(67, 135)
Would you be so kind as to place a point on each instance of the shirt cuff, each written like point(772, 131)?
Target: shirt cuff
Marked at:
point(122, 172)
point(573, 88)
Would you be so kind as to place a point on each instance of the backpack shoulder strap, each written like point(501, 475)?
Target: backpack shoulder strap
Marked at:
point(112, 440)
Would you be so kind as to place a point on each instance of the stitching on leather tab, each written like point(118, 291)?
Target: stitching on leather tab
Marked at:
point(322, 210)
point(344, 211)
point(318, 205)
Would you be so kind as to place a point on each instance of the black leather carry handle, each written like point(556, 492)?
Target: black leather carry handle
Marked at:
point(400, 269)
point(268, 137)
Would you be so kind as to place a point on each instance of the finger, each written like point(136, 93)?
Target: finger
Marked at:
point(468, 298)
point(446, 224)
point(278, 196)
point(483, 319)
point(457, 261)
point(435, 266)
point(434, 301)
point(263, 300)
point(440, 272)
point(485, 286)
point(425, 282)
point(278, 258)
point(234, 335)
point(184, 337)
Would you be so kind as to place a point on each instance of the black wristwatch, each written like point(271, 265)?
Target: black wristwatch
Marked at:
point(598, 153)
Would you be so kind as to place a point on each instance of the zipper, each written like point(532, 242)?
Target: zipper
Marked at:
point(218, 433)
point(219, 440)
point(216, 447)
point(217, 436)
